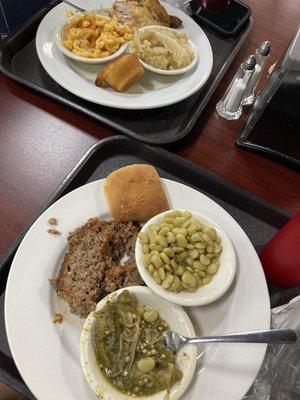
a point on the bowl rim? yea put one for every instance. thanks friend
(166, 71)
(184, 298)
(68, 53)
(188, 354)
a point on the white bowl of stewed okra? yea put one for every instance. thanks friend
(185, 257)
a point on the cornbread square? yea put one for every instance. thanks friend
(135, 193)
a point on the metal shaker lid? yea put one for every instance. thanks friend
(249, 63)
(264, 48)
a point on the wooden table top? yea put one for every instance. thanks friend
(41, 140)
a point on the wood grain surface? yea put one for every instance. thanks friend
(41, 140)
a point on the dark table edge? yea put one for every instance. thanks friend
(104, 120)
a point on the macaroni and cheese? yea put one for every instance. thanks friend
(92, 35)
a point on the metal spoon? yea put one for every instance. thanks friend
(100, 9)
(75, 5)
(175, 341)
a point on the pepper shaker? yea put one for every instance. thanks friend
(230, 106)
(261, 55)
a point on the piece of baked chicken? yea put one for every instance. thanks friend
(139, 13)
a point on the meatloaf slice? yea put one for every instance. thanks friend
(91, 267)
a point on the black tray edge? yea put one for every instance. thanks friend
(102, 119)
(269, 212)
(270, 153)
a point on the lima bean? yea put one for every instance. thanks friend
(171, 238)
(200, 267)
(153, 253)
(164, 231)
(193, 253)
(208, 239)
(191, 229)
(189, 280)
(146, 364)
(175, 285)
(195, 238)
(174, 213)
(150, 315)
(211, 232)
(145, 248)
(212, 269)
(204, 260)
(154, 227)
(179, 231)
(169, 220)
(169, 279)
(179, 270)
(200, 245)
(181, 256)
(189, 261)
(154, 246)
(206, 279)
(161, 273)
(152, 236)
(181, 241)
(190, 246)
(177, 249)
(151, 269)
(186, 223)
(209, 249)
(217, 248)
(143, 237)
(146, 259)
(156, 261)
(169, 252)
(165, 258)
(187, 215)
(179, 221)
(166, 225)
(161, 241)
(156, 277)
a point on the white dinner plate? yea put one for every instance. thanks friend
(152, 91)
(48, 355)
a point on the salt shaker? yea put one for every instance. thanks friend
(261, 55)
(230, 106)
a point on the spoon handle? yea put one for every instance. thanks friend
(272, 336)
(73, 4)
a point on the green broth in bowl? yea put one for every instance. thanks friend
(122, 355)
(129, 349)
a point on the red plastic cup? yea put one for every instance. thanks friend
(280, 257)
(214, 5)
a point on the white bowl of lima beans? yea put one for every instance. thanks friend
(185, 257)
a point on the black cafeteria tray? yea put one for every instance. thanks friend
(19, 61)
(259, 219)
